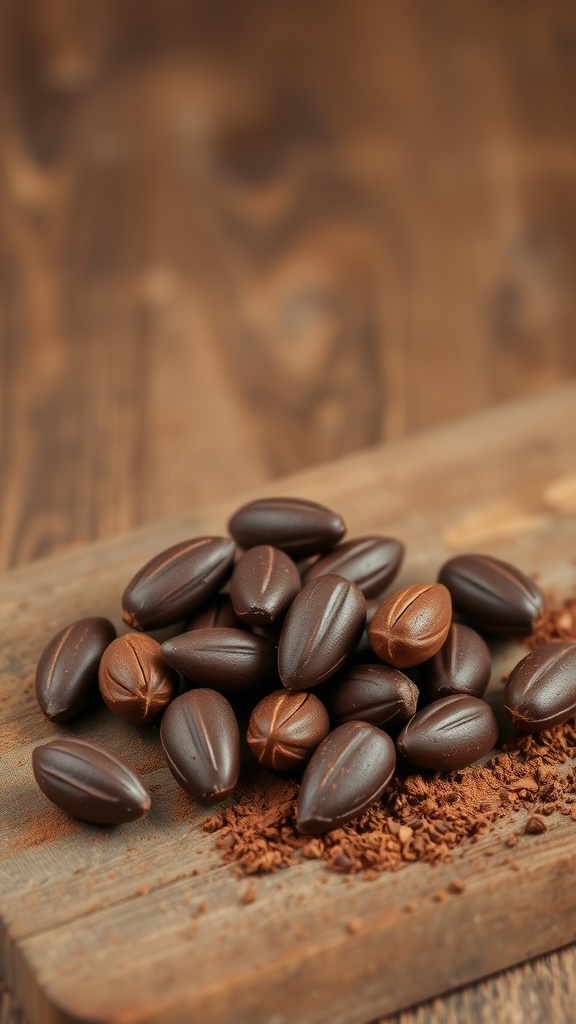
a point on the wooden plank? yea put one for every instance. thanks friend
(80, 904)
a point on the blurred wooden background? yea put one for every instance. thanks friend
(241, 238)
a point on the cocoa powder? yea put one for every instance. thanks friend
(424, 816)
(557, 623)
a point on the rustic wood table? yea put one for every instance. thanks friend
(135, 905)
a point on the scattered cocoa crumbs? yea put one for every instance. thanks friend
(557, 623)
(354, 926)
(48, 826)
(457, 886)
(424, 816)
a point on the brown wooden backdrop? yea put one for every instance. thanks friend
(241, 238)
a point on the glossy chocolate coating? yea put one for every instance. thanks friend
(135, 681)
(89, 782)
(173, 584)
(225, 659)
(541, 689)
(201, 741)
(378, 694)
(323, 625)
(346, 774)
(264, 583)
(299, 527)
(462, 665)
(369, 562)
(450, 733)
(67, 672)
(492, 595)
(285, 728)
(218, 612)
(411, 625)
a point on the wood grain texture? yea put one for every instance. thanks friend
(238, 240)
(78, 904)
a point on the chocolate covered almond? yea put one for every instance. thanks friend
(67, 671)
(411, 625)
(323, 625)
(492, 595)
(450, 733)
(135, 681)
(541, 689)
(346, 774)
(297, 526)
(462, 665)
(89, 782)
(285, 728)
(173, 584)
(201, 742)
(369, 562)
(378, 694)
(222, 658)
(264, 583)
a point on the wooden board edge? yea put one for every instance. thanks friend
(394, 961)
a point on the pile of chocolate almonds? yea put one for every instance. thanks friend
(292, 640)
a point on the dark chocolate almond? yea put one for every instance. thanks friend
(346, 774)
(297, 526)
(462, 665)
(491, 594)
(541, 689)
(264, 583)
(201, 741)
(411, 625)
(449, 734)
(369, 562)
(89, 782)
(378, 694)
(67, 672)
(225, 659)
(173, 584)
(323, 625)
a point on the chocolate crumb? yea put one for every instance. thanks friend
(457, 886)
(353, 926)
(250, 895)
(536, 825)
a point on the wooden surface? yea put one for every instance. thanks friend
(238, 239)
(81, 904)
